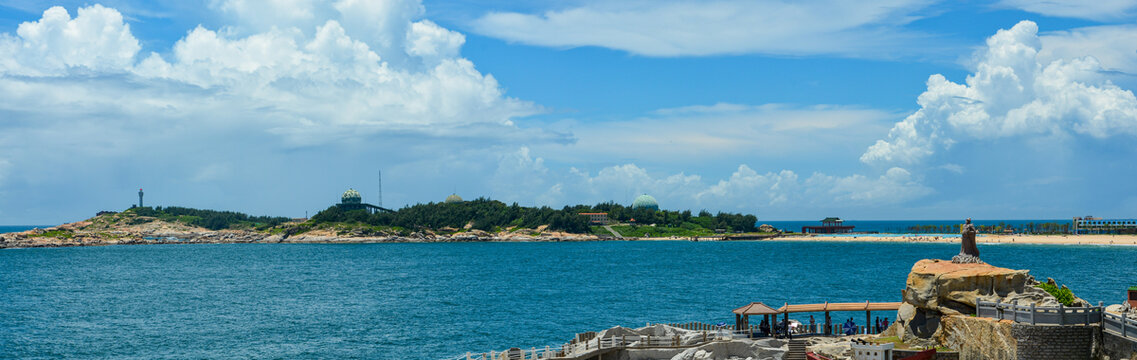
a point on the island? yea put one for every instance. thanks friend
(453, 220)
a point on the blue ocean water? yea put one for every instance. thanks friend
(902, 226)
(428, 301)
(19, 228)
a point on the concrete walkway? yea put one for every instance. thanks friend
(613, 231)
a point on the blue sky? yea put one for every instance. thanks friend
(899, 109)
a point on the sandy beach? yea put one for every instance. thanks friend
(982, 239)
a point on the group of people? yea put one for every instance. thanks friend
(779, 328)
(850, 326)
(881, 324)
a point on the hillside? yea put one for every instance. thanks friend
(477, 220)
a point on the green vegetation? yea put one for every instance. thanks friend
(675, 219)
(1064, 295)
(66, 234)
(657, 231)
(1133, 288)
(482, 214)
(491, 215)
(209, 219)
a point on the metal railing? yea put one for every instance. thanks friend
(1035, 315)
(1120, 325)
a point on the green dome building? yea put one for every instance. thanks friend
(351, 197)
(645, 201)
(352, 200)
(453, 199)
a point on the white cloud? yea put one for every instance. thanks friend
(746, 186)
(1010, 94)
(311, 89)
(96, 39)
(729, 132)
(1115, 46)
(1093, 10)
(428, 40)
(524, 178)
(228, 107)
(680, 28)
(894, 186)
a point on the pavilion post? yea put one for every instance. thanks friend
(769, 325)
(868, 318)
(828, 324)
(786, 320)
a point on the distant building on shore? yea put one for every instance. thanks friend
(352, 200)
(829, 225)
(645, 201)
(1096, 225)
(600, 218)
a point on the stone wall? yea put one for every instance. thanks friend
(1041, 342)
(943, 355)
(1115, 347)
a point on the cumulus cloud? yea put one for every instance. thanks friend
(1093, 10)
(524, 178)
(1010, 94)
(312, 88)
(680, 28)
(96, 40)
(1113, 46)
(333, 83)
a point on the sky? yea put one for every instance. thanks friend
(789, 110)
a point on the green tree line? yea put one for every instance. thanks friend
(209, 219)
(486, 214)
(1000, 228)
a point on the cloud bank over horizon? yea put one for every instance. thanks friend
(280, 111)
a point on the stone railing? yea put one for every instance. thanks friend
(1120, 325)
(1034, 315)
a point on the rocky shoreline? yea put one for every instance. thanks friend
(80, 234)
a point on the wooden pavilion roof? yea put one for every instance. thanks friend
(755, 308)
(828, 306)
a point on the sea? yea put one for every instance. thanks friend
(19, 228)
(440, 300)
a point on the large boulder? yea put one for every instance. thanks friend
(938, 288)
(954, 289)
(738, 349)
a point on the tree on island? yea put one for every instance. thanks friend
(488, 215)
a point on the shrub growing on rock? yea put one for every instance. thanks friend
(1063, 294)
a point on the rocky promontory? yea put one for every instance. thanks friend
(939, 307)
(112, 230)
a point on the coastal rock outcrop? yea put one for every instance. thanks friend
(978, 338)
(937, 292)
(953, 289)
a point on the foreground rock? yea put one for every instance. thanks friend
(939, 297)
(689, 340)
